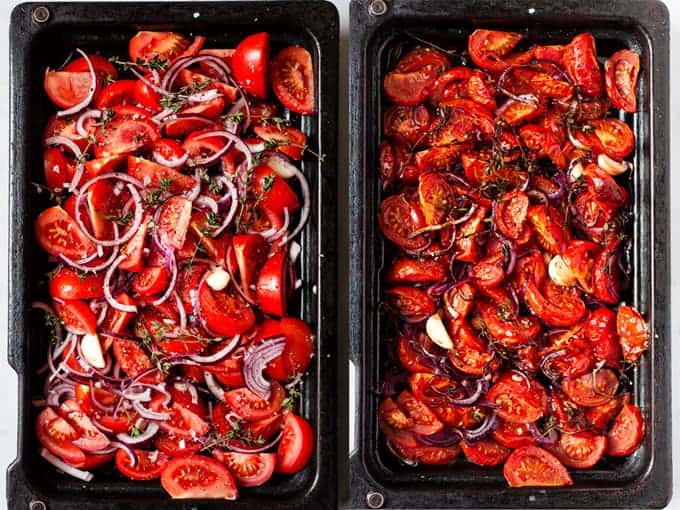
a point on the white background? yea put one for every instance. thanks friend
(8, 380)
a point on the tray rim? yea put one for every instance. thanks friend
(653, 488)
(320, 18)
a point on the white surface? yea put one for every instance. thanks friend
(8, 382)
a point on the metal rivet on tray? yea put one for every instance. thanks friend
(37, 505)
(375, 500)
(377, 8)
(41, 14)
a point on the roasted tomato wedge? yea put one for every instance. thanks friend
(633, 333)
(522, 399)
(400, 220)
(592, 390)
(485, 452)
(410, 302)
(627, 431)
(409, 82)
(488, 48)
(581, 450)
(422, 418)
(580, 62)
(621, 75)
(145, 46)
(531, 466)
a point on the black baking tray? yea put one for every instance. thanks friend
(106, 28)
(642, 480)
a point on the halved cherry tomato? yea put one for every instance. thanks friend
(67, 89)
(627, 431)
(592, 390)
(57, 435)
(399, 219)
(249, 469)
(295, 447)
(411, 302)
(292, 77)
(485, 452)
(581, 450)
(59, 234)
(250, 64)
(146, 46)
(522, 399)
(409, 82)
(620, 75)
(580, 61)
(198, 476)
(531, 466)
(633, 333)
(251, 407)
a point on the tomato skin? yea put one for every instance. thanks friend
(172, 445)
(58, 169)
(581, 391)
(518, 402)
(627, 431)
(531, 466)
(287, 139)
(422, 418)
(409, 270)
(295, 446)
(580, 62)
(582, 450)
(292, 78)
(563, 308)
(601, 331)
(513, 435)
(411, 302)
(271, 285)
(601, 416)
(510, 213)
(225, 314)
(250, 407)
(250, 64)
(279, 196)
(487, 48)
(485, 452)
(470, 353)
(77, 316)
(198, 476)
(621, 75)
(116, 93)
(173, 222)
(56, 435)
(126, 134)
(66, 89)
(59, 234)
(132, 359)
(408, 84)
(633, 333)
(145, 469)
(68, 284)
(250, 470)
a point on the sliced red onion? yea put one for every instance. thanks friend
(548, 438)
(90, 92)
(95, 402)
(85, 476)
(170, 163)
(181, 310)
(107, 288)
(306, 204)
(231, 137)
(213, 386)
(62, 140)
(152, 86)
(284, 228)
(203, 96)
(219, 355)
(233, 194)
(80, 123)
(488, 425)
(149, 432)
(444, 438)
(474, 396)
(55, 394)
(196, 190)
(188, 386)
(545, 363)
(259, 449)
(206, 202)
(164, 116)
(256, 147)
(281, 165)
(116, 445)
(148, 414)
(233, 281)
(294, 251)
(139, 208)
(255, 361)
(173, 280)
(196, 304)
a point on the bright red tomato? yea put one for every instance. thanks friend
(292, 77)
(198, 476)
(295, 446)
(250, 64)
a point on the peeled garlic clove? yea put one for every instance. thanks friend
(218, 279)
(560, 273)
(611, 166)
(575, 171)
(435, 329)
(92, 351)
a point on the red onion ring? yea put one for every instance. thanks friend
(238, 143)
(90, 92)
(233, 194)
(219, 355)
(255, 361)
(152, 86)
(173, 280)
(212, 385)
(85, 476)
(444, 438)
(100, 267)
(488, 425)
(107, 288)
(149, 432)
(80, 123)
(259, 449)
(170, 163)
(149, 414)
(306, 204)
(206, 202)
